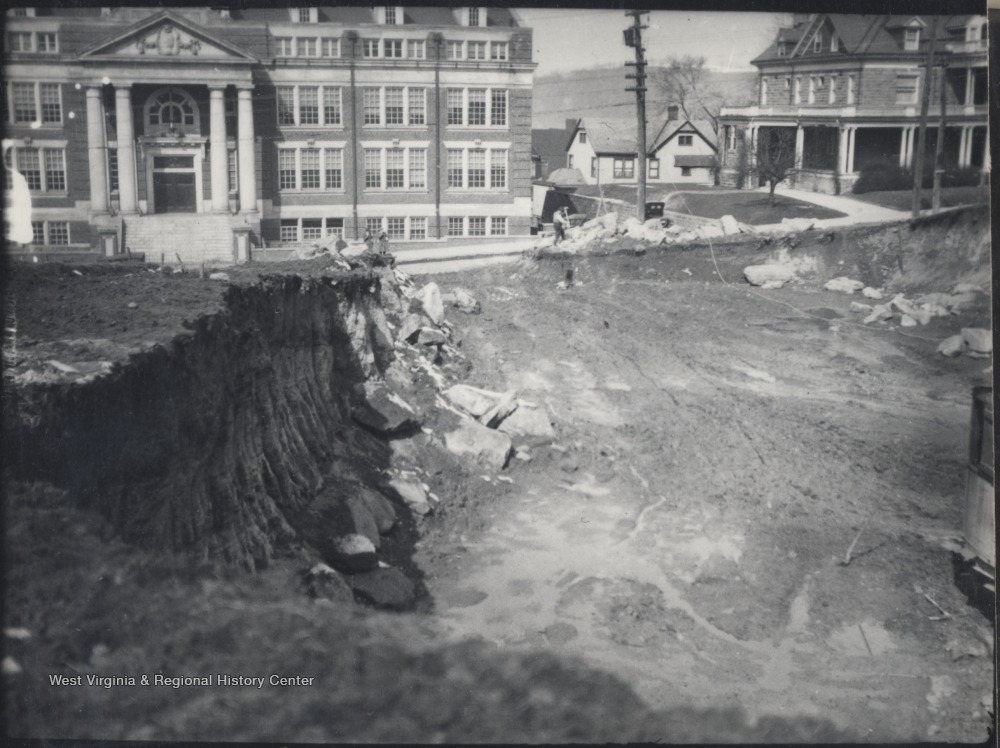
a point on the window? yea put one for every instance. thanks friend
(21, 41)
(372, 106)
(369, 47)
(284, 46)
(477, 169)
(476, 50)
(593, 166)
(312, 228)
(763, 92)
(304, 15)
(498, 169)
(654, 168)
(469, 107)
(416, 49)
(331, 106)
(781, 49)
(473, 16)
(52, 233)
(685, 171)
(395, 227)
(289, 230)
(624, 168)
(30, 99)
(394, 106)
(911, 40)
(306, 47)
(456, 168)
(818, 43)
(456, 226)
(334, 168)
(834, 43)
(334, 226)
(393, 48)
(477, 106)
(569, 160)
(498, 226)
(832, 93)
(173, 108)
(477, 226)
(850, 89)
(498, 109)
(373, 225)
(906, 89)
(395, 168)
(390, 15)
(417, 106)
(798, 90)
(685, 140)
(583, 136)
(44, 169)
(373, 168)
(330, 47)
(286, 105)
(812, 90)
(498, 51)
(310, 168)
(455, 107)
(113, 169)
(454, 51)
(308, 105)
(233, 174)
(418, 228)
(47, 42)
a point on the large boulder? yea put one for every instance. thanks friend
(384, 412)
(354, 553)
(880, 313)
(729, 225)
(529, 424)
(412, 494)
(977, 339)
(362, 520)
(952, 347)
(431, 336)
(430, 299)
(844, 284)
(380, 508)
(323, 582)
(385, 588)
(470, 399)
(462, 300)
(487, 447)
(758, 275)
(410, 327)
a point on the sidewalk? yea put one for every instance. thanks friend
(463, 257)
(856, 210)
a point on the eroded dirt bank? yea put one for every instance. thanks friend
(715, 453)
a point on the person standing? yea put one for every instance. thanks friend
(561, 222)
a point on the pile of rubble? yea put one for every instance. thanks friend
(610, 227)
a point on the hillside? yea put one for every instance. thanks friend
(601, 92)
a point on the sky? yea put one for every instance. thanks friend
(575, 39)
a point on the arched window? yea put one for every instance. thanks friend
(171, 110)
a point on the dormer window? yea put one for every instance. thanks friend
(834, 43)
(303, 15)
(911, 40)
(391, 15)
(475, 17)
(818, 43)
(21, 12)
(781, 49)
(583, 136)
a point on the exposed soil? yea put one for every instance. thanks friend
(668, 569)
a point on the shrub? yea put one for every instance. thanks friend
(886, 175)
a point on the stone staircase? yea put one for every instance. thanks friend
(194, 237)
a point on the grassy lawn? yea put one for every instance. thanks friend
(748, 207)
(627, 192)
(903, 199)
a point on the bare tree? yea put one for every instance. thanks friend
(775, 156)
(686, 83)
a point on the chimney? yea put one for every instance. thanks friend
(673, 112)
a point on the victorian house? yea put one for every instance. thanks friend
(200, 133)
(848, 88)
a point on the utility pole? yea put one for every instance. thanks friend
(939, 141)
(633, 38)
(925, 102)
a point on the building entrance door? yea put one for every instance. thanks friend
(174, 184)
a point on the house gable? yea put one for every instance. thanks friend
(165, 37)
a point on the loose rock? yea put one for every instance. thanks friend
(488, 447)
(410, 327)
(431, 336)
(880, 313)
(322, 582)
(857, 306)
(354, 553)
(380, 508)
(413, 494)
(843, 283)
(951, 347)
(219, 277)
(362, 520)
(430, 298)
(461, 300)
(532, 424)
(977, 339)
(471, 399)
(871, 293)
(758, 275)
(385, 412)
(730, 225)
(385, 588)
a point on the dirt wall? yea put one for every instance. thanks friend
(216, 443)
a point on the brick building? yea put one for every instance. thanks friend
(849, 88)
(134, 126)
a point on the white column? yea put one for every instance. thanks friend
(969, 87)
(904, 136)
(842, 150)
(800, 141)
(220, 157)
(247, 158)
(851, 138)
(986, 152)
(962, 144)
(129, 201)
(97, 152)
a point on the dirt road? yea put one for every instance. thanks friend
(718, 449)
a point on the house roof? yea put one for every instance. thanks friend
(418, 15)
(607, 135)
(550, 145)
(702, 128)
(566, 176)
(705, 160)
